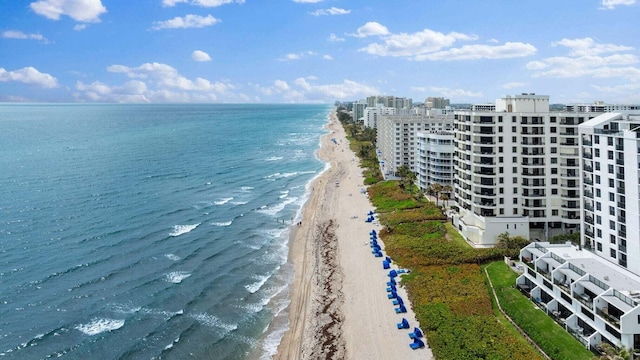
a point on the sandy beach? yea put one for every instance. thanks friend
(339, 307)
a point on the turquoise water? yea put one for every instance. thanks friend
(150, 231)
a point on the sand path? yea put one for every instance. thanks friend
(339, 307)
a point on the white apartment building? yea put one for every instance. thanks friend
(373, 113)
(517, 170)
(593, 299)
(357, 113)
(397, 140)
(610, 196)
(595, 295)
(600, 107)
(435, 158)
(436, 103)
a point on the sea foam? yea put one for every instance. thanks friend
(182, 229)
(97, 326)
(176, 277)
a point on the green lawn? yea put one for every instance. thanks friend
(550, 336)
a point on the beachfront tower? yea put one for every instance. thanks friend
(517, 170)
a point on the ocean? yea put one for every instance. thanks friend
(150, 231)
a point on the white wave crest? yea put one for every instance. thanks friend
(274, 158)
(222, 224)
(212, 321)
(239, 202)
(284, 193)
(278, 207)
(223, 201)
(97, 326)
(182, 229)
(172, 257)
(258, 284)
(247, 188)
(176, 277)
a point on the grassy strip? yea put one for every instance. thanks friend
(550, 336)
(445, 286)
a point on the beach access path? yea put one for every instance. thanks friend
(339, 306)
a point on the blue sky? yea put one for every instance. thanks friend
(301, 51)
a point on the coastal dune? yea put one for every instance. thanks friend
(339, 307)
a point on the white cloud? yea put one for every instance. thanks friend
(371, 28)
(433, 45)
(587, 46)
(476, 52)
(455, 93)
(333, 37)
(80, 27)
(512, 85)
(203, 3)
(307, 1)
(188, 21)
(296, 56)
(154, 82)
(611, 4)
(78, 10)
(304, 90)
(327, 57)
(199, 55)
(584, 60)
(331, 11)
(29, 75)
(16, 34)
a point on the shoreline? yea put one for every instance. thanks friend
(338, 305)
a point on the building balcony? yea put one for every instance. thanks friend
(610, 319)
(584, 299)
(587, 155)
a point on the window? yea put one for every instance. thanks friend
(612, 183)
(515, 211)
(597, 152)
(554, 181)
(515, 200)
(610, 169)
(553, 129)
(596, 139)
(612, 196)
(501, 200)
(598, 206)
(597, 166)
(610, 155)
(613, 253)
(514, 149)
(599, 233)
(554, 191)
(599, 246)
(514, 139)
(554, 170)
(598, 219)
(598, 194)
(554, 160)
(610, 141)
(612, 238)
(554, 139)
(612, 225)
(552, 119)
(501, 211)
(514, 129)
(554, 212)
(554, 150)
(515, 171)
(500, 129)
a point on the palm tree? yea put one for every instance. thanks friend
(437, 189)
(406, 176)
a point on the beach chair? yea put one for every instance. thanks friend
(416, 334)
(385, 264)
(393, 274)
(378, 254)
(392, 294)
(398, 301)
(388, 259)
(391, 288)
(401, 309)
(373, 232)
(391, 281)
(417, 344)
(404, 324)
